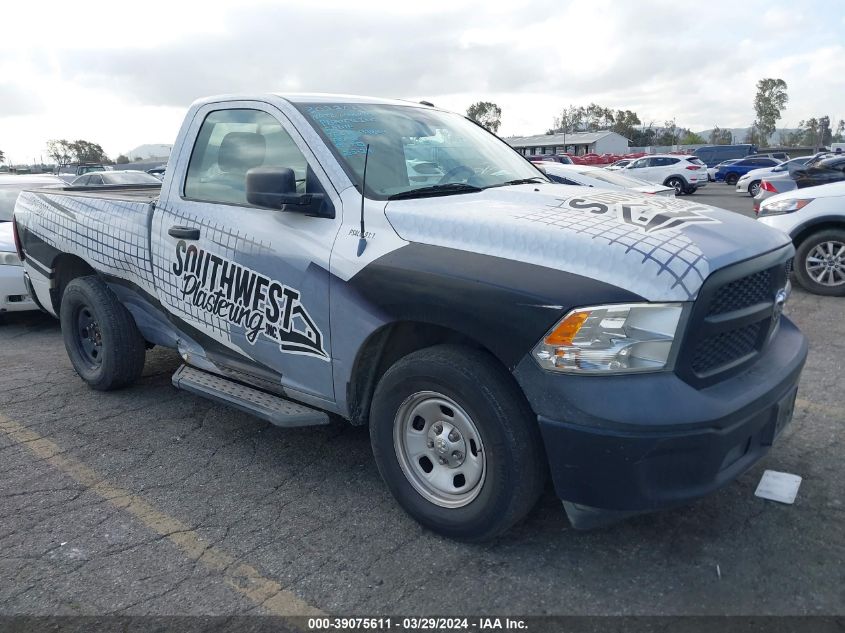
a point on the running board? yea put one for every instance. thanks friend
(266, 406)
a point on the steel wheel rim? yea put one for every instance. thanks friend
(677, 186)
(89, 337)
(754, 189)
(825, 263)
(439, 449)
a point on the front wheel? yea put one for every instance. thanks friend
(754, 188)
(102, 341)
(456, 443)
(820, 263)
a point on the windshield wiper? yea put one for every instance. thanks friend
(520, 181)
(435, 190)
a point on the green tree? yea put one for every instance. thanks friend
(625, 122)
(121, 159)
(486, 113)
(719, 136)
(571, 119)
(691, 138)
(771, 98)
(87, 152)
(669, 134)
(60, 151)
(79, 151)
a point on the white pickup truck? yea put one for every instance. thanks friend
(396, 265)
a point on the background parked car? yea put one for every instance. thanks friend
(711, 171)
(158, 172)
(777, 155)
(731, 173)
(815, 220)
(816, 172)
(127, 177)
(69, 173)
(685, 174)
(712, 155)
(619, 164)
(750, 182)
(589, 176)
(14, 295)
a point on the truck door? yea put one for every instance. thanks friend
(250, 284)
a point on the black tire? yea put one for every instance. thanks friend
(805, 250)
(690, 190)
(677, 184)
(512, 447)
(731, 179)
(753, 188)
(109, 354)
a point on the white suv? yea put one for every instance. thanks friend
(685, 174)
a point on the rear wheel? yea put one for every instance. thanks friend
(731, 179)
(677, 184)
(101, 338)
(456, 443)
(754, 188)
(820, 263)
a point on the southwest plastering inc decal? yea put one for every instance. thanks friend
(244, 297)
(655, 216)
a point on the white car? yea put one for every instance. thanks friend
(587, 176)
(14, 295)
(814, 217)
(684, 174)
(750, 182)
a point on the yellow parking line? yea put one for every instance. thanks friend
(245, 579)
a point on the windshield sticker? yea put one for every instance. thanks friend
(342, 125)
(246, 298)
(654, 216)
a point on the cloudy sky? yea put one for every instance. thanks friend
(121, 74)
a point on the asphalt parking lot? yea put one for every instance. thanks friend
(152, 501)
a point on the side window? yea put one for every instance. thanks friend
(94, 179)
(83, 181)
(638, 164)
(229, 144)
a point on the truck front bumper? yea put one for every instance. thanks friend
(642, 442)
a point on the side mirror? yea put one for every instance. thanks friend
(275, 188)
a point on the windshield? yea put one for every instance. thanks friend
(412, 148)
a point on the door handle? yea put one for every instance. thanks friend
(184, 232)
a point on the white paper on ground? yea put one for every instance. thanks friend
(776, 486)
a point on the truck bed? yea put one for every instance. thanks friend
(107, 227)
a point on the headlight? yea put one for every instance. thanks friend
(612, 338)
(10, 259)
(784, 206)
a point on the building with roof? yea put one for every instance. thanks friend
(577, 143)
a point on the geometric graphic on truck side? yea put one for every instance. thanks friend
(112, 235)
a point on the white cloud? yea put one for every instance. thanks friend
(122, 75)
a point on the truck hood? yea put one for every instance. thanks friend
(660, 248)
